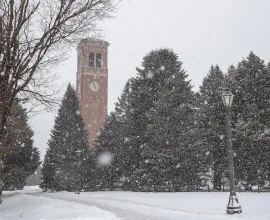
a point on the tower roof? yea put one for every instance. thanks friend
(93, 41)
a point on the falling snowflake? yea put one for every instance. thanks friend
(207, 153)
(78, 112)
(267, 130)
(123, 179)
(149, 75)
(221, 137)
(105, 159)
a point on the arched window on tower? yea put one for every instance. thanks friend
(91, 59)
(98, 60)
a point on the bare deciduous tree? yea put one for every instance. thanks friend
(34, 36)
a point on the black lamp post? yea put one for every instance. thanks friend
(78, 186)
(233, 205)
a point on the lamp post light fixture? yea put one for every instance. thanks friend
(233, 204)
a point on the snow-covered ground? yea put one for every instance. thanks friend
(20, 205)
(32, 204)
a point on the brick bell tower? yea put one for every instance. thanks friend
(92, 84)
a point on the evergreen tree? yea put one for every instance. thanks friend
(21, 157)
(170, 158)
(111, 142)
(127, 153)
(48, 171)
(65, 164)
(144, 91)
(250, 83)
(211, 122)
(108, 158)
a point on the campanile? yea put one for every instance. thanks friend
(92, 84)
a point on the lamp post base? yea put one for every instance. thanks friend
(233, 206)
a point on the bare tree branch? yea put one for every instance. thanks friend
(34, 35)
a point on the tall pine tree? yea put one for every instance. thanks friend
(211, 122)
(65, 165)
(21, 158)
(112, 141)
(145, 90)
(170, 158)
(108, 172)
(250, 83)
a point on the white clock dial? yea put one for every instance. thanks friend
(94, 86)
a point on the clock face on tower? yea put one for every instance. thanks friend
(94, 86)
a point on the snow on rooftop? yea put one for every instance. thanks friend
(93, 41)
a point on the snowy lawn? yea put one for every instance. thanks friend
(201, 205)
(34, 204)
(23, 206)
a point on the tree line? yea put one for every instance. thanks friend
(163, 136)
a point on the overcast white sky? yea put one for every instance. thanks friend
(201, 32)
